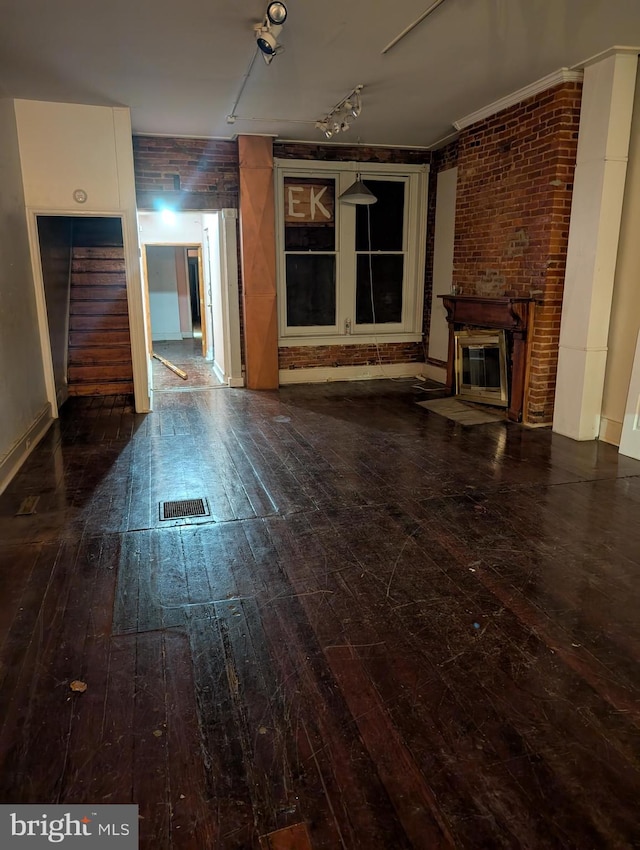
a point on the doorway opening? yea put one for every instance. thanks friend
(188, 324)
(82, 265)
(179, 330)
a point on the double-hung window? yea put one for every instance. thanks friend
(349, 273)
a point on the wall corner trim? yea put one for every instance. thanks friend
(605, 54)
(562, 75)
(22, 448)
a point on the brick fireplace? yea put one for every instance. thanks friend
(513, 317)
(514, 190)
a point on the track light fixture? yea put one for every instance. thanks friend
(339, 119)
(268, 31)
(277, 13)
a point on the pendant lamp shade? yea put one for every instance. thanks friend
(358, 193)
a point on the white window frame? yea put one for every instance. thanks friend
(410, 328)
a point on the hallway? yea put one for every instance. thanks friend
(186, 354)
(394, 629)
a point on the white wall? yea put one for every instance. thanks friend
(163, 292)
(444, 234)
(55, 253)
(154, 230)
(625, 309)
(212, 254)
(23, 396)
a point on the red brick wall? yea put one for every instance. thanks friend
(441, 160)
(515, 182)
(190, 174)
(306, 356)
(350, 153)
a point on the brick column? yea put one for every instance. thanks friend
(258, 253)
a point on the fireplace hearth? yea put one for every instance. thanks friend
(478, 318)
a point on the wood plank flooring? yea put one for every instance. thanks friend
(393, 631)
(186, 354)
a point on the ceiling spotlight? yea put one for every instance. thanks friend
(328, 133)
(267, 41)
(268, 31)
(340, 117)
(277, 13)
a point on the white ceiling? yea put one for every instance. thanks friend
(179, 64)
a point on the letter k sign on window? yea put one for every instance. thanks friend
(314, 202)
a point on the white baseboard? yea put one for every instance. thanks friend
(217, 371)
(434, 373)
(62, 395)
(610, 431)
(322, 374)
(21, 450)
(229, 381)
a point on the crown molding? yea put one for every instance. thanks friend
(562, 75)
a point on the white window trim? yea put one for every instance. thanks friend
(410, 329)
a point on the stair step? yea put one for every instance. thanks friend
(97, 253)
(103, 278)
(97, 265)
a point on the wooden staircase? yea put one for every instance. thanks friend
(99, 344)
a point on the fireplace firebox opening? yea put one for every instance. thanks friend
(481, 366)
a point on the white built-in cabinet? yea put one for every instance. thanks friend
(77, 159)
(69, 147)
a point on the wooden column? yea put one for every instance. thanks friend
(258, 253)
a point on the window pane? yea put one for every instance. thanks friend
(387, 218)
(309, 214)
(387, 289)
(311, 290)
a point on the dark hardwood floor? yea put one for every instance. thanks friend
(392, 631)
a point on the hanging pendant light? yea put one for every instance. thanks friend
(358, 193)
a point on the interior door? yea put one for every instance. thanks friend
(204, 318)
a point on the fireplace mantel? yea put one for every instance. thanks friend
(514, 315)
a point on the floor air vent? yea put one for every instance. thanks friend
(184, 508)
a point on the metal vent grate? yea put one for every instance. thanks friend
(184, 508)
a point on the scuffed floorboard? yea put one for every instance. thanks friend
(393, 631)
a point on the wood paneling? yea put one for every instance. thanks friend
(99, 344)
(257, 239)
